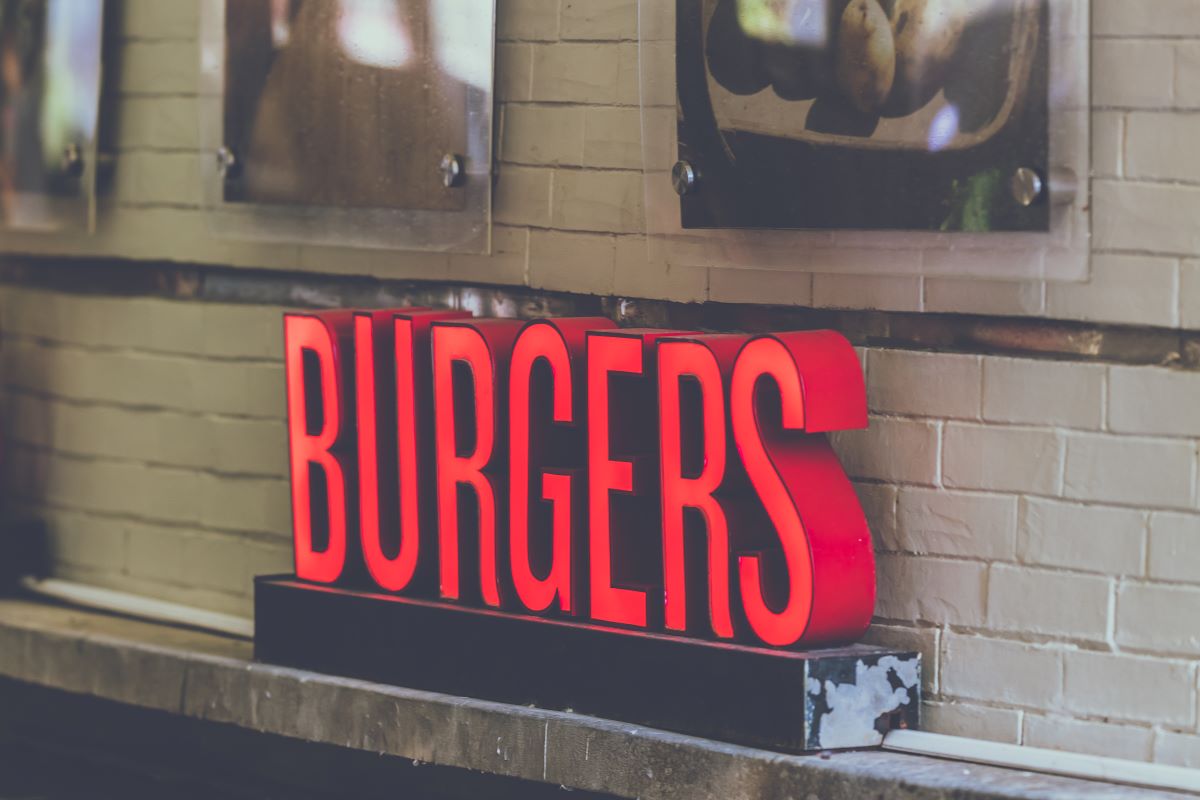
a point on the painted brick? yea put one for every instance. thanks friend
(1025, 600)
(635, 277)
(863, 291)
(527, 20)
(599, 19)
(920, 588)
(1160, 145)
(976, 296)
(878, 503)
(1078, 736)
(1174, 547)
(522, 196)
(1150, 217)
(543, 134)
(1112, 469)
(147, 324)
(1177, 749)
(1108, 143)
(108, 487)
(246, 446)
(1160, 618)
(1154, 400)
(98, 543)
(923, 384)
(239, 331)
(1132, 73)
(1001, 459)
(514, 72)
(925, 641)
(154, 19)
(162, 123)
(1187, 74)
(364, 261)
(956, 718)
(1130, 688)
(1043, 392)
(152, 177)
(158, 437)
(216, 562)
(583, 261)
(954, 524)
(506, 264)
(778, 287)
(156, 552)
(1165, 17)
(260, 505)
(268, 559)
(577, 73)
(1189, 294)
(890, 449)
(970, 664)
(591, 200)
(160, 67)
(612, 137)
(1086, 537)
(629, 88)
(238, 388)
(1129, 289)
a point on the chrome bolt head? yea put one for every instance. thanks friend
(228, 165)
(684, 178)
(72, 160)
(452, 170)
(1026, 186)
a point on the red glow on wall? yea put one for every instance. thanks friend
(652, 479)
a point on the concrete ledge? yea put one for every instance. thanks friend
(207, 677)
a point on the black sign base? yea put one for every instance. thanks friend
(777, 699)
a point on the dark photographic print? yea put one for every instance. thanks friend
(926, 115)
(351, 103)
(49, 94)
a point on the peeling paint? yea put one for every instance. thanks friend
(854, 707)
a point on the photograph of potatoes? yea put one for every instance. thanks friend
(863, 114)
(349, 103)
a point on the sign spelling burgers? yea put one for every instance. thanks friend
(655, 481)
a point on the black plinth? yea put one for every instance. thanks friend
(782, 700)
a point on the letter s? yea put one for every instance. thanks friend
(824, 541)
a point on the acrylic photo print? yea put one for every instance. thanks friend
(349, 103)
(49, 98)
(921, 115)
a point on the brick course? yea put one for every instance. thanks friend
(1038, 521)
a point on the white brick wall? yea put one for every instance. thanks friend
(1038, 521)
(569, 125)
(1057, 551)
(1048, 566)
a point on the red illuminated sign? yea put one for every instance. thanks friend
(659, 480)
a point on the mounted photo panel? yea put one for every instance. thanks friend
(365, 123)
(939, 137)
(50, 61)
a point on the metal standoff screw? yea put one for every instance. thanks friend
(228, 165)
(684, 177)
(452, 170)
(1026, 186)
(72, 160)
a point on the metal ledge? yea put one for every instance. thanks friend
(207, 677)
